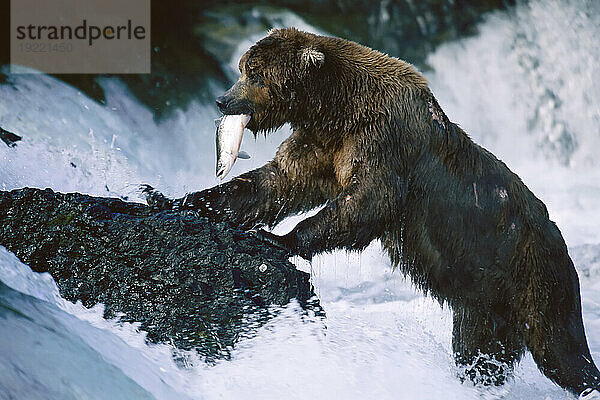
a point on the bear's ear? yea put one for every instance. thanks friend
(312, 57)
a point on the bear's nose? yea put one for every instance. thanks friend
(221, 103)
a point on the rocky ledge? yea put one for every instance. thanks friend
(192, 283)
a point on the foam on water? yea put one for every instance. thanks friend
(525, 87)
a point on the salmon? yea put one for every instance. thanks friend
(230, 129)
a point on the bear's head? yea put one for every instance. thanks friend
(324, 84)
(278, 81)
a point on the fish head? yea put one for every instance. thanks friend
(280, 76)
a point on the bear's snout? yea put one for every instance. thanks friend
(234, 100)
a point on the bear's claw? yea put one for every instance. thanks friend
(269, 238)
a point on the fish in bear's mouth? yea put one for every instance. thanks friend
(230, 131)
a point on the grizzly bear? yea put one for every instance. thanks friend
(371, 143)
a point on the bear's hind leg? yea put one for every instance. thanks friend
(485, 347)
(553, 325)
(560, 350)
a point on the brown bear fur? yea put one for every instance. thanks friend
(371, 143)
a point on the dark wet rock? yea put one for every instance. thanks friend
(189, 282)
(8, 137)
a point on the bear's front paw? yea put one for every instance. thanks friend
(285, 242)
(270, 238)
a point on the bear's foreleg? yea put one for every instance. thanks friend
(351, 221)
(263, 196)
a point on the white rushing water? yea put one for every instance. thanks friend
(526, 87)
